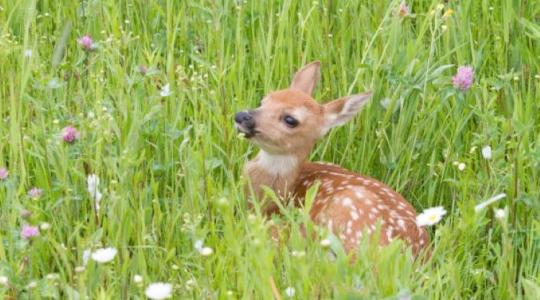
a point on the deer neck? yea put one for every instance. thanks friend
(278, 172)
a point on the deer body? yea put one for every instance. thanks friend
(286, 127)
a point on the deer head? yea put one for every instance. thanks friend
(289, 122)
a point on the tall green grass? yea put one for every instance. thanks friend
(169, 166)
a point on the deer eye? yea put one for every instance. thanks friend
(290, 121)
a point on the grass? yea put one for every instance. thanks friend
(169, 166)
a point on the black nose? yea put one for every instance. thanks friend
(244, 118)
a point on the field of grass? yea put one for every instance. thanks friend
(169, 163)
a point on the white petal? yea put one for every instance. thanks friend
(158, 291)
(486, 152)
(104, 255)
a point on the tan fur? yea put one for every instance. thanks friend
(348, 204)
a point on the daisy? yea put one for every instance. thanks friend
(104, 255)
(430, 216)
(158, 290)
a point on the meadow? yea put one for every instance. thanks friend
(116, 131)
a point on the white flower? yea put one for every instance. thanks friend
(4, 280)
(31, 285)
(137, 278)
(158, 291)
(290, 292)
(44, 226)
(206, 251)
(28, 53)
(489, 201)
(104, 255)
(79, 269)
(500, 214)
(93, 189)
(52, 276)
(295, 253)
(165, 90)
(486, 152)
(86, 256)
(198, 245)
(461, 166)
(325, 243)
(430, 216)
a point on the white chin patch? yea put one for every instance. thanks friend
(276, 163)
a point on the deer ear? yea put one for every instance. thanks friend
(306, 78)
(338, 112)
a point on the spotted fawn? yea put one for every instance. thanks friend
(285, 127)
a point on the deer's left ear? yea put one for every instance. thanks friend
(339, 112)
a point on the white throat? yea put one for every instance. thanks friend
(276, 164)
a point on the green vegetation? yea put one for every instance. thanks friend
(169, 165)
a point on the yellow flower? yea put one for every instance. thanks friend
(448, 13)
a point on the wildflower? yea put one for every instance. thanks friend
(31, 285)
(93, 184)
(500, 213)
(86, 256)
(461, 166)
(290, 291)
(165, 90)
(86, 42)
(137, 278)
(198, 245)
(206, 251)
(486, 152)
(325, 243)
(403, 10)
(295, 253)
(463, 78)
(52, 276)
(27, 53)
(3, 173)
(44, 226)
(70, 134)
(158, 290)
(28, 231)
(489, 201)
(430, 216)
(79, 269)
(35, 193)
(54, 84)
(104, 255)
(448, 13)
(4, 280)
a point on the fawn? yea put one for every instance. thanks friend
(286, 126)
